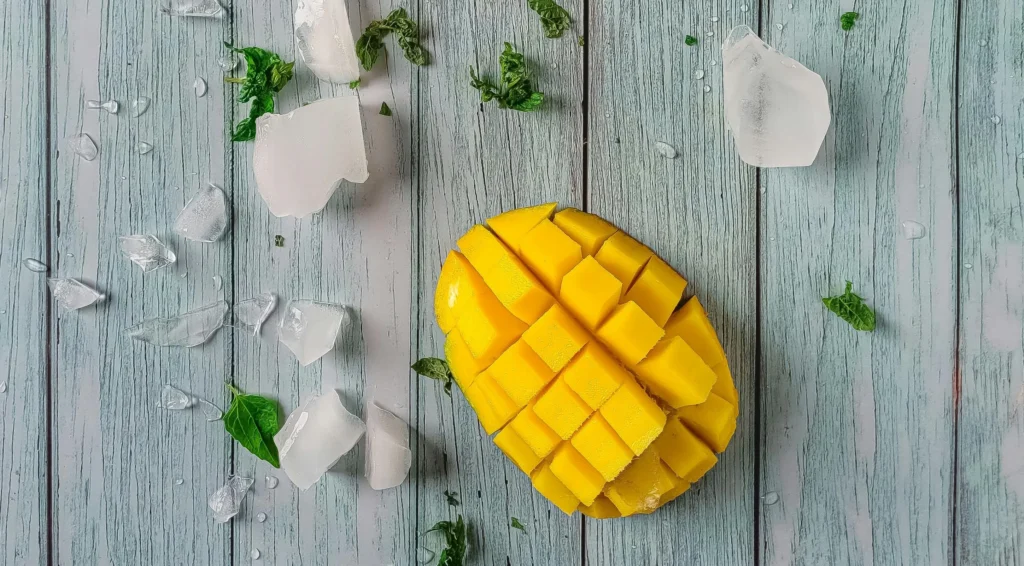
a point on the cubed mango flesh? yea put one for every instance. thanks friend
(550, 254)
(674, 372)
(624, 257)
(464, 366)
(674, 493)
(594, 375)
(598, 442)
(589, 230)
(629, 333)
(573, 470)
(714, 421)
(535, 433)
(511, 226)
(556, 337)
(657, 290)
(554, 490)
(641, 485)
(521, 372)
(602, 508)
(517, 450)
(561, 409)
(493, 407)
(636, 417)
(692, 324)
(488, 328)
(724, 385)
(682, 451)
(590, 292)
(450, 289)
(506, 275)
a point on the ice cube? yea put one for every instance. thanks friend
(72, 294)
(83, 146)
(143, 147)
(210, 411)
(3, 387)
(309, 328)
(665, 150)
(301, 157)
(147, 252)
(323, 37)
(174, 399)
(33, 264)
(261, 517)
(226, 501)
(315, 437)
(139, 106)
(271, 481)
(186, 330)
(228, 62)
(110, 106)
(194, 8)
(255, 554)
(206, 217)
(777, 109)
(200, 86)
(250, 314)
(913, 230)
(388, 458)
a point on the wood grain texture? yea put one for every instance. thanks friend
(990, 474)
(475, 161)
(857, 428)
(23, 309)
(117, 455)
(698, 213)
(356, 251)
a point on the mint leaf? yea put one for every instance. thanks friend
(454, 553)
(371, 42)
(253, 421)
(517, 525)
(847, 20)
(436, 369)
(279, 241)
(453, 498)
(515, 90)
(690, 40)
(354, 84)
(553, 17)
(581, 41)
(385, 110)
(852, 309)
(265, 75)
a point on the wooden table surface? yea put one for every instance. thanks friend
(904, 446)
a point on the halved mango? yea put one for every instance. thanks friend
(691, 323)
(554, 490)
(724, 385)
(590, 231)
(513, 284)
(464, 366)
(535, 433)
(641, 485)
(493, 407)
(674, 372)
(511, 226)
(488, 328)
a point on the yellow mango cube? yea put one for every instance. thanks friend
(682, 451)
(657, 290)
(449, 290)
(629, 333)
(488, 329)
(464, 366)
(602, 508)
(517, 450)
(590, 292)
(554, 490)
(537, 435)
(521, 372)
(513, 284)
(573, 470)
(641, 485)
(724, 385)
(550, 253)
(636, 417)
(589, 230)
(681, 487)
(692, 324)
(598, 442)
(594, 375)
(511, 226)
(556, 337)
(674, 372)
(624, 257)
(714, 421)
(492, 405)
(561, 409)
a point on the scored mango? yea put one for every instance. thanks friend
(563, 334)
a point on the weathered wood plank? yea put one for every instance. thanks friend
(117, 455)
(856, 428)
(697, 212)
(990, 474)
(475, 161)
(24, 465)
(357, 251)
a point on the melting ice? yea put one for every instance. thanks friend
(310, 328)
(315, 437)
(186, 330)
(324, 40)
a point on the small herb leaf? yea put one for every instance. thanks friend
(265, 75)
(517, 525)
(354, 84)
(581, 41)
(371, 42)
(436, 369)
(690, 40)
(553, 17)
(847, 20)
(253, 421)
(454, 553)
(385, 110)
(851, 308)
(515, 91)
(452, 497)
(279, 241)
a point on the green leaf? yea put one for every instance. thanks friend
(452, 497)
(847, 20)
(581, 41)
(279, 241)
(385, 110)
(517, 525)
(691, 41)
(244, 131)
(253, 421)
(371, 42)
(454, 553)
(852, 309)
(265, 74)
(436, 369)
(553, 17)
(354, 84)
(516, 90)
(280, 74)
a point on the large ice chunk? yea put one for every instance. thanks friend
(250, 314)
(227, 500)
(301, 157)
(185, 330)
(147, 252)
(388, 458)
(310, 328)
(777, 109)
(192, 8)
(315, 437)
(206, 217)
(324, 40)
(72, 294)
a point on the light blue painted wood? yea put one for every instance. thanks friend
(990, 476)
(117, 456)
(856, 428)
(697, 212)
(24, 461)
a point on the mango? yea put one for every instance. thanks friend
(692, 324)
(561, 409)
(674, 372)
(517, 450)
(512, 283)
(511, 226)
(590, 292)
(535, 433)
(545, 481)
(556, 337)
(682, 451)
(657, 290)
(629, 333)
(598, 442)
(714, 421)
(639, 487)
(594, 375)
(624, 257)
(573, 470)
(521, 372)
(636, 417)
(602, 508)
(550, 254)
(588, 230)
(464, 366)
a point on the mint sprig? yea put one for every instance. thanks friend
(265, 75)
(253, 421)
(371, 42)
(851, 308)
(515, 90)
(553, 17)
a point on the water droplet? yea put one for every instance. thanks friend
(200, 86)
(110, 106)
(713, 62)
(995, 119)
(218, 282)
(780, 27)
(711, 33)
(228, 62)
(255, 554)
(743, 8)
(3, 387)
(139, 106)
(272, 482)
(707, 88)
(261, 517)
(1021, 156)
(34, 265)
(179, 481)
(143, 147)
(983, 43)
(770, 498)
(83, 146)
(790, 6)
(424, 555)
(698, 74)
(968, 266)
(913, 230)
(714, 19)
(665, 150)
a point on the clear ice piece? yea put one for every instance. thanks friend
(206, 217)
(665, 150)
(301, 157)
(913, 230)
(261, 517)
(309, 328)
(218, 282)
(323, 37)
(388, 458)
(770, 498)
(185, 330)
(226, 501)
(72, 294)
(255, 554)
(210, 411)
(143, 147)
(200, 86)
(315, 437)
(777, 109)
(272, 482)
(110, 106)
(228, 62)
(193, 8)
(250, 314)
(147, 252)
(174, 399)
(3, 387)
(83, 146)
(139, 106)
(33, 264)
